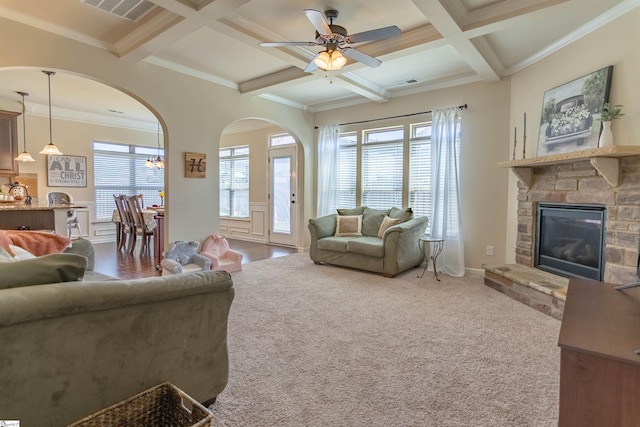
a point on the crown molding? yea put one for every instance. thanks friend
(58, 113)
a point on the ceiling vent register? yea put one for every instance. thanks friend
(132, 10)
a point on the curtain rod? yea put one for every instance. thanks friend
(461, 107)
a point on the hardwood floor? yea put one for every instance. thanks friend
(120, 264)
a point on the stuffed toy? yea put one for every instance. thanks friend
(183, 257)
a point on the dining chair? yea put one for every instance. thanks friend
(62, 198)
(140, 228)
(125, 226)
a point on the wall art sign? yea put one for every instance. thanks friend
(570, 119)
(195, 165)
(66, 171)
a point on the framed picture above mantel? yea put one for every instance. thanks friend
(570, 119)
(66, 171)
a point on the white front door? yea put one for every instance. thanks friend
(283, 192)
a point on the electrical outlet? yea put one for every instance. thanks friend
(490, 250)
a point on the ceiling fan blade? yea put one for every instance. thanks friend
(311, 67)
(317, 19)
(377, 34)
(354, 54)
(278, 44)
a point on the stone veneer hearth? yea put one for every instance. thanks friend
(578, 182)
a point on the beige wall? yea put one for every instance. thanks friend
(614, 44)
(483, 187)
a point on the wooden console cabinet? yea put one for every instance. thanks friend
(599, 369)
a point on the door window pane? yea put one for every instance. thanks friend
(281, 195)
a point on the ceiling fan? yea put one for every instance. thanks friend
(337, 41)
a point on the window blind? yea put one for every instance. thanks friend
(348, 170)
(122, 172)
(382, 168)
(420, 170)
(234, 182)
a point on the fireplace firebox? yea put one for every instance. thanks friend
(570, 240)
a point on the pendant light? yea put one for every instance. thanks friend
(159, 163)
(50, 148)
(24, 156)
(156, 163)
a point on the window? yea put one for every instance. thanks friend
(390, 174)
(420, 169)
(234, 182)
(120, 169)
(281, 139)
(382, 167)
(348, 169)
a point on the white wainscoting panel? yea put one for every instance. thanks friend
(251, 229)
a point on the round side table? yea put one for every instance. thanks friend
(435, 246)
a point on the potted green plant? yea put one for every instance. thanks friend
(609, 112)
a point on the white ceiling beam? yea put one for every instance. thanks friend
(284, 77)
(362, 87)
(177, 20)
(447, 25)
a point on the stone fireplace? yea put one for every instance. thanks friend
(578, 182)
(602, 179)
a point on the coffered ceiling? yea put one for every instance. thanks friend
(442, 43)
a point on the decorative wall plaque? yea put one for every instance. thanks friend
(66, 171)
(195, 165)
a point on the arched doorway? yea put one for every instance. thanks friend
(84, 111)
(273, 212)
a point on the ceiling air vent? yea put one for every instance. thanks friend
(405, 82)
(127, 9)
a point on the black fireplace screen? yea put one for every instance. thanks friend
(570, 240)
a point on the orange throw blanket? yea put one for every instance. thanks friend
(37, 242)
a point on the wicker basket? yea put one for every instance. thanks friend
(162, 405)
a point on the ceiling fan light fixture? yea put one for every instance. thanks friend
(337, 60)
(323, 60)
(328, 61)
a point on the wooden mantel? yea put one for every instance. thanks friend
(605, 160)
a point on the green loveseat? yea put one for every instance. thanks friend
(396, 251)
(71, 348)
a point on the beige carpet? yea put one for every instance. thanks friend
(326, 346)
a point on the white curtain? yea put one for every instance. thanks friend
(445, 197)
(328, 164)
